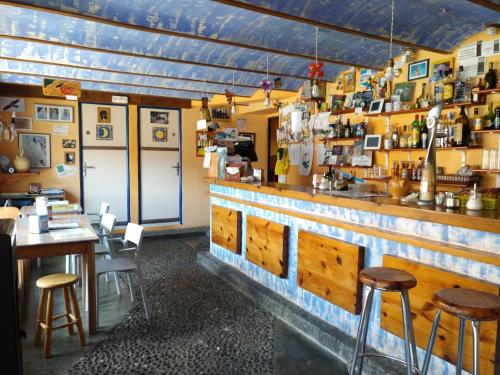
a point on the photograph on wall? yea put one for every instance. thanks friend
(249, 135)
(41, 113)
(104, 115)
(53, 113)
(201, 142)
(104, 132)
(60, 87)
(11, 104)
(156, 117)
(69, 157)
(405, 90)
(160, 134)
(441, 67)
(349, 79)
(24, 123)
(36, 148)
(69, 143)
(418, 70)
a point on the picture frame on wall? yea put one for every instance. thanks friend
(11, 104)
(442, 64)
(201, 142)
(405, 90)
(104, 115)
(69, 157)
(376, 106)
(24, 124)
(53, 113)
(418, 70)
(36, 148)
(249, 135)
(349, 80)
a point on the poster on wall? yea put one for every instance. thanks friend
(11, 104)
(156, 117)
(160, 134)
(36, 148)
(104, 132)
(104, 115)
(60, 87)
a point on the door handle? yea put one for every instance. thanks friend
(85, 167)
(178, 167)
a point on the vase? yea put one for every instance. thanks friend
(399, 187)
(21, 163)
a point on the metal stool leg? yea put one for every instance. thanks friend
(410, 326)
(362, 331)
(430, 345)
(406, 323)
(460, 353)
(475, 332)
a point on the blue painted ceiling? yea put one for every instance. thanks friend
(188, 40)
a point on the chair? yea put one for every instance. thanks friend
(131, 242)
(98, 216)
(48, 284)
(465, 304)
(388, 280)
(8, 203)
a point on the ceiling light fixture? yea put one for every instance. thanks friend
(390, 72)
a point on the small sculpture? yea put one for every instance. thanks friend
(21, 162)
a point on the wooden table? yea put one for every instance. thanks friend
(72, 209)
(30, 246)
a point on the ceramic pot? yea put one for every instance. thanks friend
(399, 187)
(21, 163)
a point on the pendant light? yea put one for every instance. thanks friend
(315, 91)
(204, 111)
(390, 72)
(233, 105)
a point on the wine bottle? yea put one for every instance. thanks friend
(461, 129)
(491, 78)
(478, 98)
(449, 88)
(460, 86)
(395, 138)
(415, 132)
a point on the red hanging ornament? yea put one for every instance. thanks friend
(315, 70)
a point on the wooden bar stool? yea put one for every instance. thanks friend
(48, 284)
(388, 280)
(465, 304)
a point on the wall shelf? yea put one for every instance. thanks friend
(488, 91)
(342, 139)
(487, 130)
(10, 178)
(345, 111)
(418, 110)
(342, 166)
(460, 148)
(384, 179)
(486, 170)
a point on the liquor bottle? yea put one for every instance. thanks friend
(403, 139)
(388, 138)
(478, 98)
(489, 117)
(459, 86)
(409, 137)
(423, 100)
(415, 132)
(423, 132)
(449, 88)
(491, 78)
(438, 89)
(419, 169)
(347, 130)
(496, 124)
(362, 130)
(395, 138)
(461, 129)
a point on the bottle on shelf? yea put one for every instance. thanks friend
(460, 87)
(461, 129)
(388, 138)
(423, 132)
(491, 78)
(395, 138)
(409, 137)
(489, 117)
(347, 129)
(419, 168)
(415, 132)
(362, 129)
(438, 89)
(496, 124)
(478, 98)
(403, 139)
(424, 100)
(449, 88)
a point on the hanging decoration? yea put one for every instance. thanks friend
(266, 86)
(277, 82)
(8, 132)
(204, 111)
(229, 96)
(315, 70)
(390, 72)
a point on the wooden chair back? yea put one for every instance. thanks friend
(9, 212)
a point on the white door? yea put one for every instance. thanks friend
(160, 166)
(104, 159)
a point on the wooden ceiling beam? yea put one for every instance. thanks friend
(327, 26)
(157, 58)
(106, 70)
(179, 34)
(105, 82)
(486, 4)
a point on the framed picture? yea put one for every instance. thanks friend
(442, 64)
(221, 113)
(69, 143)
(418, 70)
(104, 132)
(337, 102)
(11, 104)
(24, 124)
(104, 115)
(201, 142)
(249, 135)
(53, 113)
(349, 79)
(36, 148)
(376, 106)
(157, 117)
(160, 134)
(232, 134)
(373, 142)
(405, 90)
(69, 157)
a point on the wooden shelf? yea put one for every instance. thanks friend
(384, 179)
(342, 139)
(345, 111)
(10, 178)
(486, 170)
(313, 99)
(418, 110)
(488, 91)
(437, 149)
(342, 166)
(450, 184)
(487, 130)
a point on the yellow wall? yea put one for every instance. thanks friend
(194, 190)
(450, 160)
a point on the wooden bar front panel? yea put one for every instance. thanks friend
(226, 228)
(267, 245)
(329, 268)
(431, 279)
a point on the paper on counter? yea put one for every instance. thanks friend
(294, 153)
(71, 234)
(320, 153)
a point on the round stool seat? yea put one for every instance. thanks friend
(468, 303)
(386, 278)
(56, 280)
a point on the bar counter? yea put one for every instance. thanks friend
(310, 248)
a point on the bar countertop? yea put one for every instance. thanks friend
(484, 220)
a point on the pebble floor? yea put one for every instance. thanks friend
(199, 325)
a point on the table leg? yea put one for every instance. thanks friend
(89, 260)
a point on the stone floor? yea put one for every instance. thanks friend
(291, 352)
